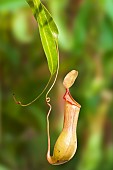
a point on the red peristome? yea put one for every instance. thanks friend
(67, 97)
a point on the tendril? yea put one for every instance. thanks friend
(24, 105)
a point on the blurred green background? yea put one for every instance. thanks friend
(85, 44)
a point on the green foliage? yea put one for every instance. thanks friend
(85, 42)
(48, 32)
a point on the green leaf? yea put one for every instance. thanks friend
(52, 24)
(48, 33)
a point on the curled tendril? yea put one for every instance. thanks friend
(24, 105)
(47, 98)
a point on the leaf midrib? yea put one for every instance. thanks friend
(46, 38)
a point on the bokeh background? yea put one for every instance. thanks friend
(85, 44)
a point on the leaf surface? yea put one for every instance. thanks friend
(48, 33)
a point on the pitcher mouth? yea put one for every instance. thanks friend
(67, 97)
